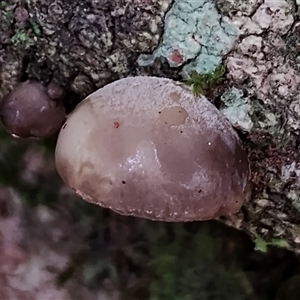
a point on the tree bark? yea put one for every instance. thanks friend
(84, 45)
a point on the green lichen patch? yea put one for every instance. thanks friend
(195, 36)
(237, 109)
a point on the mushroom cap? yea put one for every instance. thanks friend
(147, 147)
(28, 111)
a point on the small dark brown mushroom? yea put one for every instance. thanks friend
(29, 111)
(147, 147)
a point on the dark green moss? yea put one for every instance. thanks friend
(200, 83)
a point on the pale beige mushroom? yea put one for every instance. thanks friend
(147, 147)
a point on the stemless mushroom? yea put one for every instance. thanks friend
(32, 110)
(147, 147)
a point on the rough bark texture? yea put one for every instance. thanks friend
(84, 45)
(94, 253)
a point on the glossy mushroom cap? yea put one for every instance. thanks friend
(146, 147)
(29, 111)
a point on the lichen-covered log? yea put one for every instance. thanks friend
(84, 45)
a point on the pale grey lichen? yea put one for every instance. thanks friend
(270, 69)
(270, 122)
(271, 16)
(237, 7)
